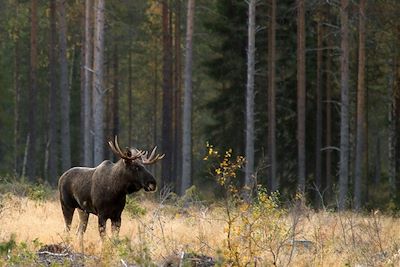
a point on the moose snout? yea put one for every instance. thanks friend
(151, 186)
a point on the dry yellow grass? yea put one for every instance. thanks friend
(322, 239)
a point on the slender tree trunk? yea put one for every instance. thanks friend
(155, 106)
(130, 100)
(360, 145)
(272, 99)
(87, 91)
(115, 95)
(301, 96)
(52, 142)
(167, 98)
(249, 171)
(328, 86)
(187, 104)
(82, 92)
(17, 99)
(396, 94)
(344, 111)
(31, 138)
(392, 131)
(178, 92)
(318, 138)
(98, 83)
(65, 90)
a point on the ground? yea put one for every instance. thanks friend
(163, 234)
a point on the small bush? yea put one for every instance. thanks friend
(133, 208)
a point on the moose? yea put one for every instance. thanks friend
(102, 190)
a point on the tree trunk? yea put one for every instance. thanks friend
(360, 138)
(187, 104)
(178, 92)
(396, 114)
(98, 83)
(115, 95)
(64, 89)
(328, 158)
(31, 138)
(167, 99)
(53, 109)
(301, 96)
(87, 91)
(17, 99)
(344, 111)
(318, 93)
(130, 100)
(249, 171)
(274, 184)
(393, 138)
(155, 105)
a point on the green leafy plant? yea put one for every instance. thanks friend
(133, 208)
(252, 227)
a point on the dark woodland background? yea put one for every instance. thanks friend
(134, 88)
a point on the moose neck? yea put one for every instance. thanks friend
(124, 182)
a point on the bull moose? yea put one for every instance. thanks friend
(102, 190)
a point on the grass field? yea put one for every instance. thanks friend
(155, 233)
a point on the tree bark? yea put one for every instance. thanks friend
(98, 83)
(167, 99)
(31, 138)
(393, 138)
(361, 125)
(64, 89)
(178, 92)
(301, 96)
(53, 108)
(318, 93)
(130, 100)
(155, 104)
(17, 98)
(274, 184)
(187, 104)
(344, 111)
(115, 95)
(249, 171)
(328, 158)
(87, 91)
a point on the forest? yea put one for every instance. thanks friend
(281, 111)
(324, 93)
(320, 118)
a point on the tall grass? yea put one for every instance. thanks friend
(168, 229)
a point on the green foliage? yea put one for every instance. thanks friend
(38, 192)
(113, 251)
(7, 246)
(18, 254)
(254, 227)
(133, 207)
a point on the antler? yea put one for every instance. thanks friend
(147, 160)
(117, 150)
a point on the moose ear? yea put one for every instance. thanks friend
(128, 152)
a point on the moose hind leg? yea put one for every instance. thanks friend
(83, 221)
(115, 226)
(68, 214)
(102, 226)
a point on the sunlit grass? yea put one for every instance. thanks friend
(167, 230)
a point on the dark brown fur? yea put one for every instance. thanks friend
(102, 191)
